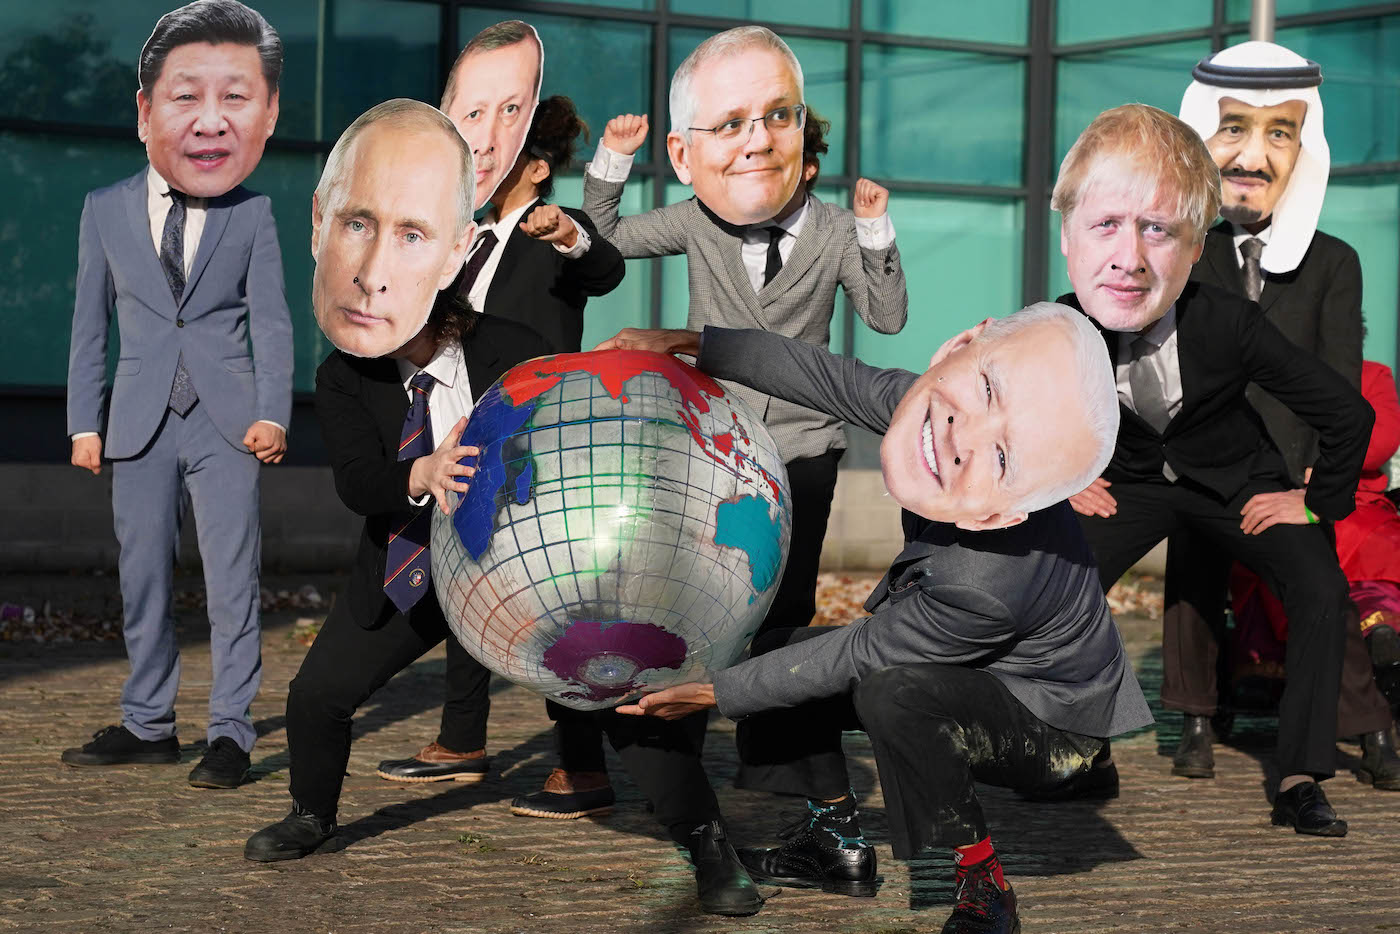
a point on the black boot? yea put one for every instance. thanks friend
(983, 906)
(816, 855)
(1194, 758)
(1383, 644)
(1380, 765)
(721, 882)
(294, 836)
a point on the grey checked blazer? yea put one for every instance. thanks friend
(798, 303)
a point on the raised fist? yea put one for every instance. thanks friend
(548, 222)
(626, 133)
(869, 199)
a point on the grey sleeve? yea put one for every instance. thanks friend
(94, 296)
(951, 624)
(874, 284)
(659, 232)
(805, 374)
(270, 323)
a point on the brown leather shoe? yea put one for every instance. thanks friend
(567, 796)
(436, 763)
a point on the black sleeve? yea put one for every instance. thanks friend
(598, 271)
(368, 478)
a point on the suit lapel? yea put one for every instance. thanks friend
(216, 217)
(153, 278)
(512, 253)
(385, 398)
(1220, 256)
(811, 242)
(730, 242)
(483, 360)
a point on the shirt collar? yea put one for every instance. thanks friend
(1160, 332)
(791, 225)
(1241, 235)
(489, 221)
(158, 189)
(442, 367)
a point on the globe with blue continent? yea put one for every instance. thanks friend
(625, 530)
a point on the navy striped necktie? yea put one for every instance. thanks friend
(408, 567)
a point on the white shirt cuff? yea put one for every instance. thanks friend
(268, 421)
(875, 233)
(581, 244)
(84, 434)
(420, 501)
(610, 166)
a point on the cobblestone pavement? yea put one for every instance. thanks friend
(137, 849)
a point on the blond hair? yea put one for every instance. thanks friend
(1159, 148)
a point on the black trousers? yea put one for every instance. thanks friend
(811, 484)
(1298, 564)
(936, 730)
(1193, 629)
(347, 663)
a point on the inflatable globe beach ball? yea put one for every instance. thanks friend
(625, 530)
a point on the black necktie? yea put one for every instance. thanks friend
(1251, 250)
(486, 243)
(775, 257)
(172, 260)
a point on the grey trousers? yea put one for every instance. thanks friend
(188, 454)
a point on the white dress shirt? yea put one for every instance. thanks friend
(1163, 360)
(450, 397)
(872, 233)
(504, 227)
(157, 207)
(1241, 235)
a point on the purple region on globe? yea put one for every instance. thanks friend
(605, 656)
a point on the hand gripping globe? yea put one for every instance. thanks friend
(625, 530)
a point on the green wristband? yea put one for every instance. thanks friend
(1312, 517)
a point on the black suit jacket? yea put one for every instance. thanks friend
(1317, 306)
(361, 405)
(544, 290)
(1216, 439)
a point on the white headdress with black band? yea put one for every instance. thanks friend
(1262, 74)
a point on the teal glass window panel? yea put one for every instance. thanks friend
(74, 61)
(45, 180)
(941, 116)
(1087, 85)
(620, 4)
(628, 305)
(675, 272)
(988, 21)
(289, 178)
(1365, 212)
(1361, 85)
(1090, 20)
(823, 83)
(962, 261)
(377, 50)
(603, 65)
(1238, 11)
(1059, 274)
(835, 14)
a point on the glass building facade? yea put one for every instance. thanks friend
(962, 110)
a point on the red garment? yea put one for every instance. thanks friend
(1368, 543)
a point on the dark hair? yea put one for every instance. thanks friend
(553, 137)
(212, 21)
(814, 144)
(489, 39)
(452, 317)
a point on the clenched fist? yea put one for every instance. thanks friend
(87, 453)
(626, 133)
(548, 222)
(869, 199)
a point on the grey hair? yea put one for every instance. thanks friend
(401, 112)
(1098, 390)
(510, 32)
(212, 21)
(722, 45)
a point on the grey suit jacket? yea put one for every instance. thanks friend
(234, 291)
(1023, 603)
(798, 303)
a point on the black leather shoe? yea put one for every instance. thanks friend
(720, 880)
(1096, 783)
(116, 745)
(983, 906)
(294, 836)
(435, 763)
(1304, 808)
(813, 858)
(225, 765)
(1380, 765)
(1194, 757)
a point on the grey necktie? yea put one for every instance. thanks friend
(1251, 250)
(172, 261)
(1149, 400)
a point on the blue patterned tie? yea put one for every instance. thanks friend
(172, 260)
(407, 569)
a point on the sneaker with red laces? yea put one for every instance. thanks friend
(983, 906)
